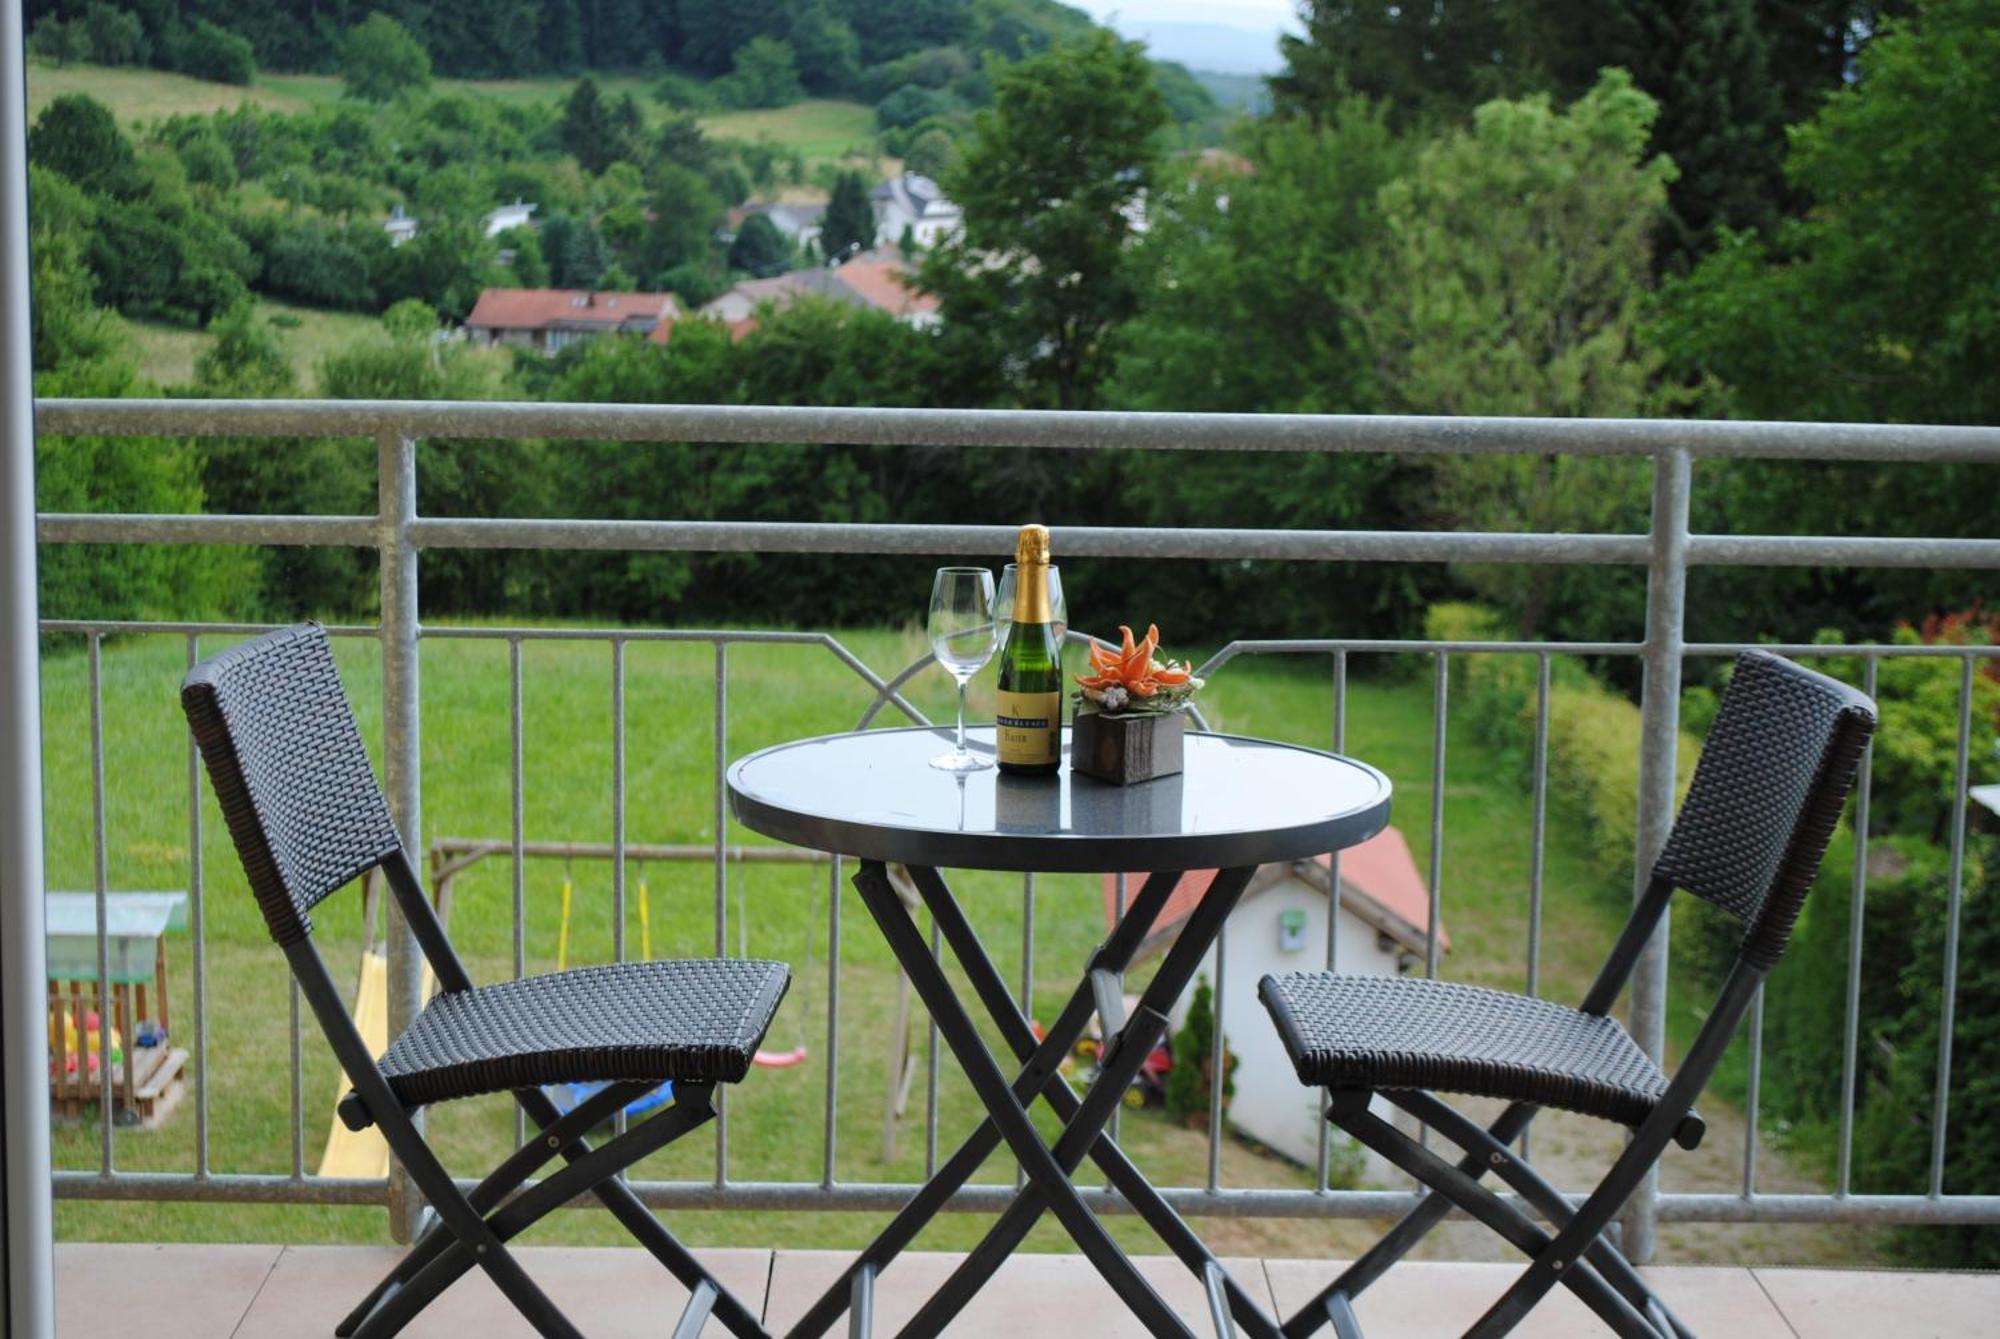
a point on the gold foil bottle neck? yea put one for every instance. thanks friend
(1033, 546)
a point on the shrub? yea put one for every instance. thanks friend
(207, 51)
(911, 104)
(1189, 1082)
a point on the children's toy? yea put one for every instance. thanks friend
(97, 1004)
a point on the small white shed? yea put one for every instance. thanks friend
(1280, 926)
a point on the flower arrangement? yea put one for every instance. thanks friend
(1130, 681)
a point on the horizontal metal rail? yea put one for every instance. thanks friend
(1400, 546)
(1032, 428)
(887, 1197)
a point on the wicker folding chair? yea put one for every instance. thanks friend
(307, 818)
(1773, 778)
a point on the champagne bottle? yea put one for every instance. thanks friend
(1029, 721)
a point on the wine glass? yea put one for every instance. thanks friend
(962, 639)
(1003, 604)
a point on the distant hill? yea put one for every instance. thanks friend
(1246, 91)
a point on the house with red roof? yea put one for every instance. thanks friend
(552, 318)
(879, 280)
(1382, 927)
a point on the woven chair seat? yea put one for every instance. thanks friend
(697, 1020)
(1399, 1033)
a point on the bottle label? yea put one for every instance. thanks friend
(1029, 726)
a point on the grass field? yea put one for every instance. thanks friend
(166, 354)
(821, 130)
(779, 911)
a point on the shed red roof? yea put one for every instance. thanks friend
(1380, 870)
(542, 308)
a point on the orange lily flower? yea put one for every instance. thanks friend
(1132, 667)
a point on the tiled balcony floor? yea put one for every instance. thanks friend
(219, 1292)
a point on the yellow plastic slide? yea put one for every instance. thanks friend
(364, 1153)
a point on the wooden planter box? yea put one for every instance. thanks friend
(1126, 749)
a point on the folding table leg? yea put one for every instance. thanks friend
(997, 1096)
(1086, 1124)
(1019, 1033)
(1040, 1073)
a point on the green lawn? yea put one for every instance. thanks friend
(167, 353)
(136, 95)
(774, 693)
(822, 130)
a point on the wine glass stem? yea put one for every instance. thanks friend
(961, 718)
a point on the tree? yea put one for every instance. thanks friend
(207, 51)
(931, 153)
(587, 131)
(77, 136)
(1513, 262)
(1881, 304)
(574, 251)
(59, 42)
(1042, 272)
(379, 59)
(849, 221)
(530, 267)
(1431, 60)
(685, 213)
(1191, 1081)
(763, 73)
(243, 359)
(827, 51)
(67, 328)
(910, 104)
(1257, 275)
(760, 249)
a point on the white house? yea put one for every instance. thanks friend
(1280, 926)
(516, 215)
(799, 223)
(915, 203)
(400, 227)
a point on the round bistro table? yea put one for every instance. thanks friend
(873, 795)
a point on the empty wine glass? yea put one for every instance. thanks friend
(962, 638)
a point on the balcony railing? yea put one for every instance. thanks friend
(1667, 550)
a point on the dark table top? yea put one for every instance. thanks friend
(873, 794)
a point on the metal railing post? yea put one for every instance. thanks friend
(27, 1280)
(1660, 723)
(402, 745)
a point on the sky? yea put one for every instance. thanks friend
(1257, 14)
(1238, 36)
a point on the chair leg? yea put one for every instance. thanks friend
(652, 1234)
(1412, 1228)
(522, 1164)
(1513, 1226)
(482, 1241)
(1545, 1199)
(1560, 1260)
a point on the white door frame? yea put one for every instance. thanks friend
(27, 1286)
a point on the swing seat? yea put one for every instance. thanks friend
(780, 1059)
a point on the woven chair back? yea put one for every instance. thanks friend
(1774, 776)
(290, 771)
